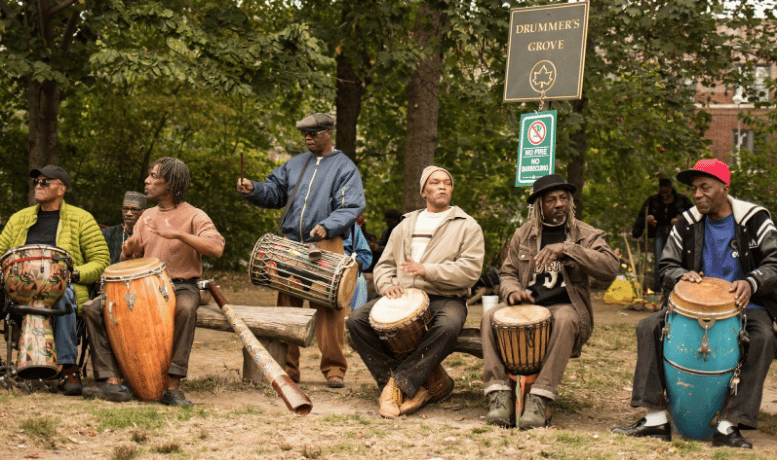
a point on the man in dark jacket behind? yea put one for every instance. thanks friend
(660, 212)
(328, 199)
(725, 238)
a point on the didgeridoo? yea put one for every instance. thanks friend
(294, 398)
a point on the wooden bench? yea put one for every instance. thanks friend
(274, 327)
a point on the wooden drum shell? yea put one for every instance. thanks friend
(522, 334)
(402, 322)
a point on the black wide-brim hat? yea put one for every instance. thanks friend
(547, 184)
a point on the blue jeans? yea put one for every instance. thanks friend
(662, 235)
(65, 329)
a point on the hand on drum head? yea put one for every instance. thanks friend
(520, 297)
(742, 292)
(394, 292)
(692, 277)
(245, 186)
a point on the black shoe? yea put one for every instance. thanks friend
(733, 439)
(639, 430)
(174, 398)
(70, 383)
(108, 392)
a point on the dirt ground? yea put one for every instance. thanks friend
(235, 420)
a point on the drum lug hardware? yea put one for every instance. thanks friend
(735, 380)
(110, 312)
(130, 298)
(704, 349)
(163, 290)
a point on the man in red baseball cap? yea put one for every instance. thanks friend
(727, 238)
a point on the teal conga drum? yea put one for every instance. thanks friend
(701, 353)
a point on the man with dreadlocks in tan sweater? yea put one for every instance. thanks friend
(178, 234)
(549, 261)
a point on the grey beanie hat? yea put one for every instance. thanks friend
(138, 199)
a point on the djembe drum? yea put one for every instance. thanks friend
(701, 353)
(284, 265)
(35, 277)
(139, 310)
(402, 322)
(522, 333)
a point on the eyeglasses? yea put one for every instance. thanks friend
(311, 133)
(127, 209)
(42, 182)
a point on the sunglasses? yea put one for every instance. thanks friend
(42, 182)
(306, 132)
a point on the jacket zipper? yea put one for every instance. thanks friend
(305, 203)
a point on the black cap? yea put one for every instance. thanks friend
(547, 184)
(392, 214)
(52, 172)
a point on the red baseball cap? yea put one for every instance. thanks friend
(710, 167)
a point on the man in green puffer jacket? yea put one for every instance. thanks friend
(56, 223)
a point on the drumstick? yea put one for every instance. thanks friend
(294, 398)
(241, 166)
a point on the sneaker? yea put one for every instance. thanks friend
(501, 409)
(536, 414)
(174, 398)
(108, 392)
(70, 382)
(390, 400)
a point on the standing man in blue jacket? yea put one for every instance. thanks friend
(328, 199)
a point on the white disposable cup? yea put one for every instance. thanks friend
(489, 302)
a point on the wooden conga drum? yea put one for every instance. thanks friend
(139, 311)
(701, 353)
(402, 322)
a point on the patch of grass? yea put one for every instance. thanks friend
(139, 437)
(115, 418)
(311, 451)
(188, 413)
(767, 423)
(247, 410)
(39, 428)
(168, 448)
(124, 452)
(346, 418)
(215, 384)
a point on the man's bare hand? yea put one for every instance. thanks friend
(394, 292)
(413, 268)
(318, 232)
(742, 292)
(518, 297)
(245, 186)
(547, 255)
(692, 277)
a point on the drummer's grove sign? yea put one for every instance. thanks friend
(537, 150)
(546, 52)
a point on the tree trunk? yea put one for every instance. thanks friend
(423, 105)
(43, 107)
(348, 103)
(576, 172)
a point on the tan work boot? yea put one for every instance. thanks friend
(536, 414)
(390, 400)
(413, 404)
(439, 384)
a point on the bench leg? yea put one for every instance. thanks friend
(276, 348)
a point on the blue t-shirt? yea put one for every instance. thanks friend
(720, 255)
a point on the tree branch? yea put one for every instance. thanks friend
(61, 7)
(70, 30)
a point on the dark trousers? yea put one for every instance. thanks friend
(448, 316)
(649, 383)
(187, 299)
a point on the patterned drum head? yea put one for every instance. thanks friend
(388, 313)
(708, 299)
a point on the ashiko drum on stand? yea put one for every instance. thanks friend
(701, 353)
